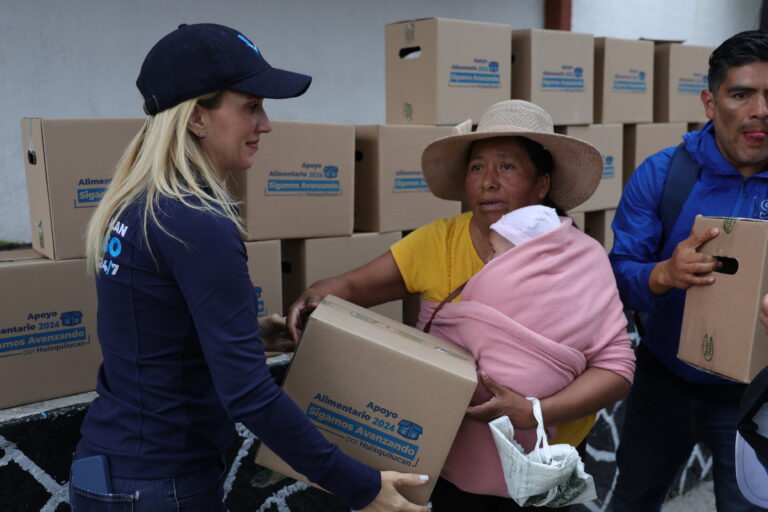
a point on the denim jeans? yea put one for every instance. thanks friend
(665, 418)
(201, 491)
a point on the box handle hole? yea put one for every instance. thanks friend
(730, 265)
(412, 52)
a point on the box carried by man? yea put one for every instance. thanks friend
(721, 330)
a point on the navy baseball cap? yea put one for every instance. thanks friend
(752, 441)
(198, 59)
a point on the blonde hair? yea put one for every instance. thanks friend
(163, 160)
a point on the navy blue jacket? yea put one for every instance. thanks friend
(719, 191)
(183, 361)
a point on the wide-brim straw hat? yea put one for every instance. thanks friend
(578, 165)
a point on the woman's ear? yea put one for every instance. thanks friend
(196, 124)
(544, 183)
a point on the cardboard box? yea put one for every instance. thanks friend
(264, 265)
(721, 331)
(301, 184)
(680, 74)
(607, 138)
(69, 164)
(48, 342)
(387, 394)
(693, 127)
(623, 81)
(579, 219)
(307, 261)
(390, 191)
(19, 254)
(441, 71)
(644, 140)
(555, 69)
(598, 226)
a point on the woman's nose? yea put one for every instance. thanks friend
(263, 125)
(490, 178)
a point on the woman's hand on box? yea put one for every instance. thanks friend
(389, 499)
(274, 334)
(300, 311)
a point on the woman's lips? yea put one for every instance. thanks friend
(492, 206)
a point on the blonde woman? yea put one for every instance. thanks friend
(177, 316)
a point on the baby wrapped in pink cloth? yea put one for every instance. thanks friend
(535, 317)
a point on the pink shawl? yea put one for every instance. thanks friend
(535, 318)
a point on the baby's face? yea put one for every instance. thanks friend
(499, 244)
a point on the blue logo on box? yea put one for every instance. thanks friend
(330, 171)
(641, 75)
(409, 429)
(608, 160)
(493, 66)
(71, 318)
(578, 71)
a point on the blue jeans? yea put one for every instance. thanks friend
(200, 491)
(665, 418)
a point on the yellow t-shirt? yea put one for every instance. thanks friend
(436, 259)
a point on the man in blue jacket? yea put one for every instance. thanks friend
(673, 406)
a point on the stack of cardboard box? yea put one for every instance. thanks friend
(628, 98)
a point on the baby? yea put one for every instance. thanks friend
(534, 318)
(521, 225)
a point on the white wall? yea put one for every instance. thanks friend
(80, 58)
(700, 22)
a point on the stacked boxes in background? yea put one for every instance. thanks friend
(680, 74)
(442, 71)
(48, 342)
(309, 260)
(607, 138)
(391, 193)
(555, 70)
(643, 140)
(301, 183)
(623, 81)
(69, 165)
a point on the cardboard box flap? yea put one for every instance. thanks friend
(37, 180)
(407, 340)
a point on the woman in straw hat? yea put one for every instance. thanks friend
(513, 159)
(177, 317)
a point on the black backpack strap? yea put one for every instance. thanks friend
(683, 173)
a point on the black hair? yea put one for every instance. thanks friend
(543, 163)
(739, 50)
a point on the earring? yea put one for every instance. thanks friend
(201, 134)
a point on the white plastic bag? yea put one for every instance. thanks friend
(551, 476)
